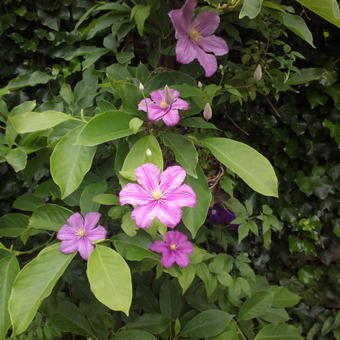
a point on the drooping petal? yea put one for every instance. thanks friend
(181, 18)
(147, 176)
(214, 44)
(66, 233)
(181, 259)
(145, 104)
(133, 194)
(182, 196)
(158, 96)
(185, 247)
(96, 234)
(91, 220)
(180, 104)
(207, 61)
(85, 248)
(206, 23)
(168, 214)
(171, 118)
(185, 51)
(144, 214)
(158, 247)
(69, 246)
(168, 259)
(171, 178)
(76, 221)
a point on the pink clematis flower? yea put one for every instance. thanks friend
(195, 38)
(164, 105)
(175, 248)
(79, 234)
(160, 195)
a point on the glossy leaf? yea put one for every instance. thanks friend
(17, 158)
(12, 225)
(256, 305)
(284, 298)
(250, 8)
(133, 335)
(87, 204)
(279, 331)
(140, 13)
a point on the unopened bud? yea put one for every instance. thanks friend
(258, 73)
(207, 113)
(148, 152)
(221, 67)
(141, 87)
(169, 99)
(199, 84)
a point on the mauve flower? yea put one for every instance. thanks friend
(160, 195)
(218, 215)
(195, 38)
(164, 105)
(175, 248)
(79, 234)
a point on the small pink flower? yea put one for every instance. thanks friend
(195, 38)
(164, 105)
(160, 195)
(175, 248)
(79, 234)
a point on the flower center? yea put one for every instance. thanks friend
(157, 194)
(194, 34)
(173, 246)
(163, 105)
(213, 212)
(81, 232)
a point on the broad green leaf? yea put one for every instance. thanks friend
(30, 79)
(256, 305)
(246, 162)
(133, 335)
(36, 121)
(275, 315)
(140, 13)
(207, 324)
(34, 283)
(12, 225)
(49, 217)
(105, 127)
(184, 150)
(186, 277)
(170, 299)
(70, 162)
(87, 204)
(227, 335)
(250, 8)
(280, 331)
(283, 297)
(151, 322)
(17, 158)
(27, 202)
(128, 225)
(197, 122)
(9, 268)
(106, 199)
(306, 75)
(110, 279)
(193, 218)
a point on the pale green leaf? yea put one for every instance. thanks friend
(250, 8)
(17, 158)
(256, 305)
(140, 13)
(12, 225)
(280, 331)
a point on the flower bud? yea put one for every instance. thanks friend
(148, 152)
(199, 84)
(221, 67)
(258, 73)
(207, 113)
(141, 87)
(169, 99)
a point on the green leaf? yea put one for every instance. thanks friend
(140, 13)
(256, 305)
(70, 162)
(30, 79)
(110, 279)
(34, 283)
(207, 324)
(133, 335)
(306, 75)
(243, 231)
(246, 162)
(184, 150)
(49, 217)
(283, 297)
(275, 315)
(36, 121)
(250, 8)
(279, 331)
(186, 277)
(106, 199)
(27, 202)
(152, 322)
(197, 122)
(17, 158)
(170, 299)
(12, 225)
(193, 218)
(9, 268)
(105, 127)
(128, 225)
(87, 203)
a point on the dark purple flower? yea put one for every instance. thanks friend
(218, 215)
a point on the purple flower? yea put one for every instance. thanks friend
(195, 38)
(79, 234)
(164, 105)
(160, 195)
(175, 248)
(218, 215)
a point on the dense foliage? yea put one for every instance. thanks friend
(73, 75)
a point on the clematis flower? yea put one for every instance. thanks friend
(195, 38)
(218, 215)
(160, 195)
(164, 105)
(175, 248)
(80, 233)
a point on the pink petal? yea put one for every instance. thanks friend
(168, 259)
(168, 214)
(214, 44)
(180, 104)
(144, 214)
(156, 113)
(181, 18)
(91, 220)
(147, 176)
(171, 118)
(181, 259)
(185, 51)
(206, 23)
(175, 237)
(158, 247)
(185, 247)
(66, 233)
(172, 178)
(133, 194)
(183, 196)
(85, 248)
(158, 96)
(76, 221)
(96, 234)
(69, 246)
(145, 104)
(207, 61)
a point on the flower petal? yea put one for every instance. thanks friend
(145, 104)
(183, 196)
(158, 96)
(158, 247)
(133, 194)
(207, 61)
(85, 248)
(175, 237)
(214, 44)
(91, 220)
(172, 178)
(168, 259)
(147, 176)
(169, 214)
(76, 221)
(144, 214)
(206, 23)
(185, 51)
(185, 247)
(66, 233)
(156, 113)
(181, 259)
(171, 118)
(180, 104)
(96, 234)
(69, 246)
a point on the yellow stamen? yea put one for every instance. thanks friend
(213, 212)
(194, 34)
(81, 232)
(163, 105)
(173, 246)
(157, 194)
